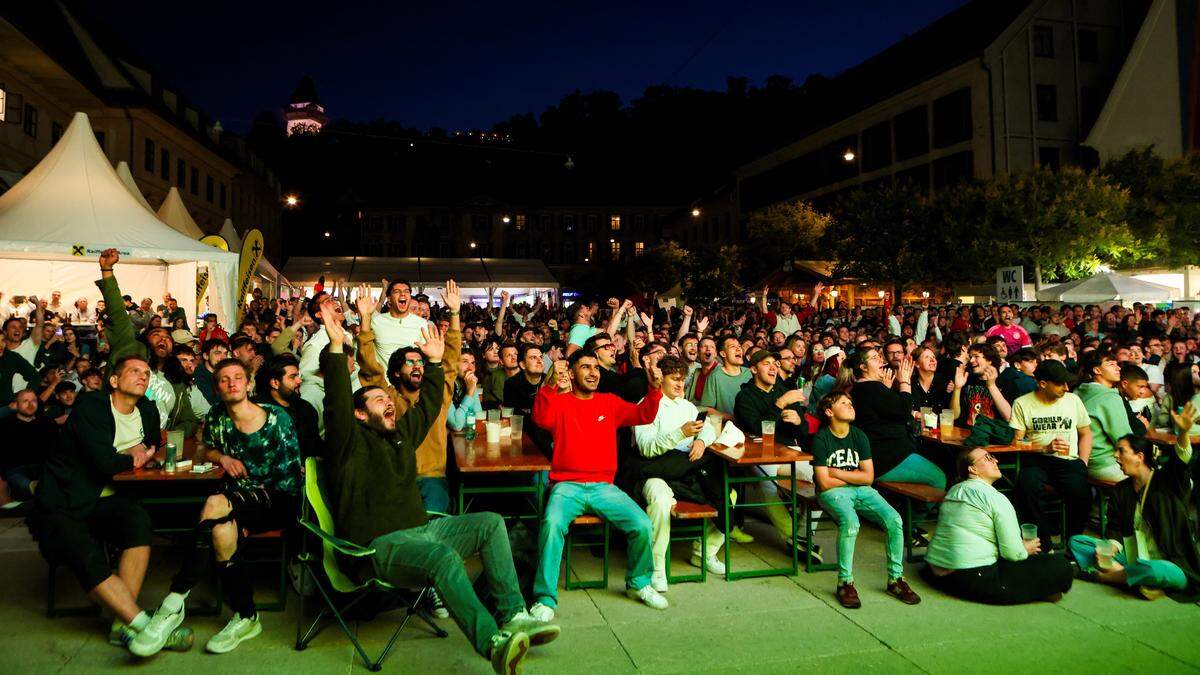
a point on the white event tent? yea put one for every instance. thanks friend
(126, 177)
(1107, 287)
(174, 212)
(71, 206)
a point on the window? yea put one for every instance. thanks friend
(148, 154)
(221, 195)
(591, 251)
(195, 181)
(616, 250)
(164, 164)
(639, 221)
(953, 169)
(208, 188)
(31, 121)
(547, 222)
(568, 222)
(1089, 46)
(1047, 103)
(568, 252)
(591, 223)
(952, 118)
(56, 129)
(639, 247)
(876, 146)
(614, 223)
(181, 174)
(912, 133)
(1050, 157)
(520, 222)
(1043, 42)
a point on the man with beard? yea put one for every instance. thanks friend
(75, 514)
(725, 382)
(521, 390)
(16, 342)
(156, 349)
(213, 352)
(279, 384)
(399, 327)
(254, 444)
(707, 362)
(27, 438)
(1014, 336)
(785, 360)
(405, 374)
(371, 481)
(584, 425)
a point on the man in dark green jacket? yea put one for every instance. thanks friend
(372, 483)
(765, 399)
(74, 515)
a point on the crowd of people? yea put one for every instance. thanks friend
(623, 398)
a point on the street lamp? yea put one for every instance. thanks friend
(695, 213)
(472, 244)
(328, 233)
(506, 220)
(925, 294)
(292, 201)
(848, 155)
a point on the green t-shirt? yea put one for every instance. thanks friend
(721, 390)
(580, 333)
(1042, 422)
(840, 453)
(271, 454)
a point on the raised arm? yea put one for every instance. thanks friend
(370, 370)
(504, 299)
(686, 324)
(339, 403)
(415, 423)
(121, 338)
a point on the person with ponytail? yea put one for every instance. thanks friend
(1155, 550)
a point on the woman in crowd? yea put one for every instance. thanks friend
(930, 390)
(1156, 551)
(978, 552)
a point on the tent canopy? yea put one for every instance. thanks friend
(127, 178)
(470, 273)
(71, 206)
(174, 213)
(1107, 287)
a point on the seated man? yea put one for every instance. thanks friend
(372, 472)
(976, 391)
(677, 465)
(520, 391)
(1018, 380)
(257, 446)
(1055, 421)
(584, 425)
(28, 438)
(1141, 407)
(1100, 374)
(74, 514)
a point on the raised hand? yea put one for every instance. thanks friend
(818, 288)
(687, 310)
(613, 303)
(337, 334)
(702, 325)
(470, 380)
(1183, 420)
(434, 345)
(363, 302)
(989, 374)
(452, 296)
(906, 370)
(504, 296)
(108, 258)
(562, 376)
(889, 378)
(655, 376)
(648, 321)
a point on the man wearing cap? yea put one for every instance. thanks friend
(1056, 422)
(765, 399)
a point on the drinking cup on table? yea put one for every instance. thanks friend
(768, 433)
(1028, 531)
(946, 425)
(493, 432)
(517, 424)
(493, 415)
(505, 413)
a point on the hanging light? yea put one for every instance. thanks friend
(695, 213)
(848, 155)
(291, 200)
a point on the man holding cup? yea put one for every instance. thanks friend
(1056, 422)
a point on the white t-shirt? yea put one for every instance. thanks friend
(28, 351)
(1154, 374)
(392, 333)
(310, 353)
(787, 324)
(1043, 423)
(129, 428)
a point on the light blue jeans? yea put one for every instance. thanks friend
(1162, 574)
(845, 503)
(567, 502)
(916, 469)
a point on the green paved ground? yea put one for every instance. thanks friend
(768, 625)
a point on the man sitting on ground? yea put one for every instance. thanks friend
(371, 477)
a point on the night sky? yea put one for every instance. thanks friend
(463, 65)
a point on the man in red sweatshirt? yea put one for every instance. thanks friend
(584, 425)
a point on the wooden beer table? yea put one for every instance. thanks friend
(513, 467)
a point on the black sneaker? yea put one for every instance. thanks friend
(436, 606)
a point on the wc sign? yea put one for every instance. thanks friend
(1010, 284)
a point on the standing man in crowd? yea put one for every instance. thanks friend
(399, 327)
(1014, 336)
(724, 384)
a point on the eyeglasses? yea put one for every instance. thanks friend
(989, 457)
(607, 346)
(414, 362)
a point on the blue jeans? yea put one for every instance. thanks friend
(916, 469)
(1162, 574)
(19, 481)
(435, 493)
(844, 504)
(567, 502)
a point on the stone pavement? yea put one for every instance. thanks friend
(776, 624)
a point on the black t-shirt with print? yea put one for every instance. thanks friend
(840, 453)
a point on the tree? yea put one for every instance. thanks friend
(1164, 203)
(712, 272)
(1063, 222)
(659, 268)
(785, 231)
(876, 235)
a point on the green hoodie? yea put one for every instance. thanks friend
(1109, 422)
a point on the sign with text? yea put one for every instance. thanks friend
(1010, 284)
(86, 251)
(252, 250)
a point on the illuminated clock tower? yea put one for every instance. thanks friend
(305, 114)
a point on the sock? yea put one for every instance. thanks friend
(140, 621)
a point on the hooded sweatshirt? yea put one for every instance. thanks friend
(753, 406)
(1109, 422)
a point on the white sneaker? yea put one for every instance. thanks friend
(658, 580)
(237, 631)
(541, 612)
(154, 636)
(648, 595)
(539, 632)
(714, 564)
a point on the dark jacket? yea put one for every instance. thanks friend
(372, 478)
(304, 419)
(84, 459)
(1166, 514)
(753, 406)
(885, 416)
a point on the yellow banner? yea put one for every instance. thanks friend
(252, 250)
(201, 284)
(215, 240)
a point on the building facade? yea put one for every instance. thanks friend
(53, 64)
(993, 87)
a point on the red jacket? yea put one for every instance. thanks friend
(585, 431)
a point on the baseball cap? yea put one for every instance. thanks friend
(761, 355)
